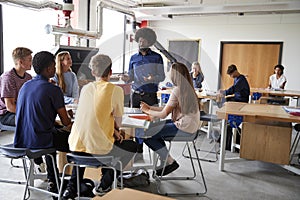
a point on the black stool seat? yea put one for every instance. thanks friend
(190, 138)
(6, 127)
(13, 152)
(94, 160)
(208, 117)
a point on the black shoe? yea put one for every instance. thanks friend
(52, 188)
(168, 169)
(69, 193)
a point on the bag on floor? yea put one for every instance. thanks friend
(137, 178)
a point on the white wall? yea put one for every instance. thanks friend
(214, 29)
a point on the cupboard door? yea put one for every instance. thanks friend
(255, 60)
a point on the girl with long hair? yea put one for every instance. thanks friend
(65, 78)
(185, 116)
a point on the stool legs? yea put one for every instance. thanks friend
(193, 177)
(31, 176)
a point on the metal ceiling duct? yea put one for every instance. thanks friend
(218, 9)
(34, 4)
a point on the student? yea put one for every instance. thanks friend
(241, 91)
(100, 107)
(11, 82)
(197, 75)
(146, 71)
(65, 78)
(183, 104)
(38, 104)
(240, 88)
(277, 80)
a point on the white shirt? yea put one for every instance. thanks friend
(276, 83)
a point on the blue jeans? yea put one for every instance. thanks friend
(159, 131)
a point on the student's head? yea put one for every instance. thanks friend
(196, 67)
(63, 62)
(232, 71)
(22, 57)
(145, 37)
(100, 65)
(43, 63)
(180, 74)
(181, 78)
(278, 69)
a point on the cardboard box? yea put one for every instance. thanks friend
(130, 194)
(266, 142)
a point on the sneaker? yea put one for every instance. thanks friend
(69, 193)
(52, 188)
(41, 168)
(168, 169)
(99, 191)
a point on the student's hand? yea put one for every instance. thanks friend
(144, 107)
(124, 77)
(52, 81)
(148, 78)
(119, 135)
(70, 113)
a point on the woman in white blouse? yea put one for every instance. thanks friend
(277, 80)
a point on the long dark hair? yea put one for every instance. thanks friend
(181, 78)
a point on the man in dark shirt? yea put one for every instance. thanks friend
(146, 71)
(240, 88)
(38, 104)
(241, 91)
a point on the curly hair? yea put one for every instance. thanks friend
(146, 33)
(42, 60)
(280, 67)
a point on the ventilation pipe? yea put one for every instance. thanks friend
(34, 4)
(119, 8)
(67, 7)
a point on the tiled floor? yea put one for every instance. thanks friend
(245, 180)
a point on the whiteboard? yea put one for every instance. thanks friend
(185, 51)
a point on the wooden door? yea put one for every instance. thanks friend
(255, 60)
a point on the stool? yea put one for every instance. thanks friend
(209, 118)
(6, 127)
(94, 161)
(295, 142)
(12, 152)
(191, 139)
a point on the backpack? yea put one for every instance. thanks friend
(137, 178)
(86, 188)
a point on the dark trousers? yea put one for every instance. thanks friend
(150, 99)
(229, 137)
(8, 119)
(124, 151)
(60, 143)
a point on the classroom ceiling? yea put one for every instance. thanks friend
(160, 9)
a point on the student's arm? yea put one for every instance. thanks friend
(270, 83)
(64, 118)
(159, 112)
(283, 85)
(10, 104)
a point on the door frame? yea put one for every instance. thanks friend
(245, 42)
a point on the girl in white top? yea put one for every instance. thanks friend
(183, 104)
(277, 80)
